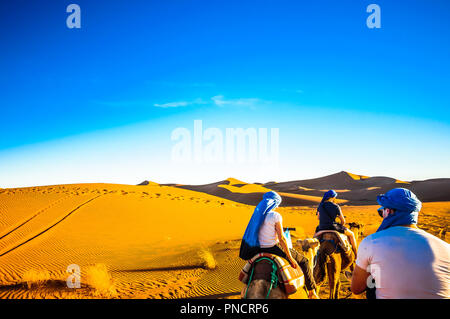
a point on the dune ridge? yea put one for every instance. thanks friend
(352, 189)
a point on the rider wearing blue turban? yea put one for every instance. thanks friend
(250, 241)
(405, 206)
(329, 194)
(264, 233)
(327, 212)
(404, 261)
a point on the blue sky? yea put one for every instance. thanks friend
(98, 104)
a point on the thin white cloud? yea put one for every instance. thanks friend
(220, 100)
(180, 103)
(172, 104)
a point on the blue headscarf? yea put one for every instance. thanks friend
(406, 205)
(330, 194)
(270, 201)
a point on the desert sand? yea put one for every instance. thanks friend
(148, 241)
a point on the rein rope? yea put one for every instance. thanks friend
(273, 276)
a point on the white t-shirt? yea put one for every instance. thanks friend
(406, 263)
(267, 235)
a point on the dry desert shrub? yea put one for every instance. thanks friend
(207, 259)
(34, 277)
(98, 278)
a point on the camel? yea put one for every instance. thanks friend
(332, 262)
(259, 288)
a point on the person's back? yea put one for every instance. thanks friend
(328, 211)
(267, 234)
(406, 262)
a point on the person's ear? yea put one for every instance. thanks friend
(386, 212)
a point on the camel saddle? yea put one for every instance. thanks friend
(331, 235)
(292, 279)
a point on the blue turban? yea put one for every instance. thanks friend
(330, 194)
(406, 205)
(270, 201)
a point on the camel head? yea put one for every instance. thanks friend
(357, 228)
(309, 243)
(310, 246)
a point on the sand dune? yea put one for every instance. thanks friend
(148, 241)
(237, 186)
(352, 189)
(127, 228)
(312, 200)
(357, 177)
